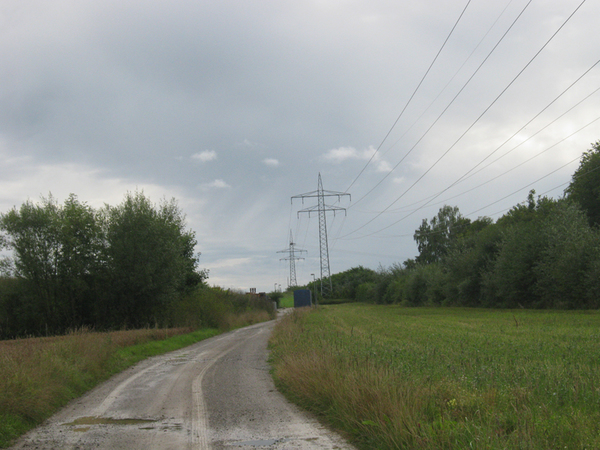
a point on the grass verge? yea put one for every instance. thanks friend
(445, 378)
(40, 375)
(287, 301)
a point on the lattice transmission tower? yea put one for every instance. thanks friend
(322, 208)
(292, 258)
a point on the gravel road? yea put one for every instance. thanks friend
(216, 394)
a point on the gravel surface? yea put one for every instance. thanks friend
(216, 394)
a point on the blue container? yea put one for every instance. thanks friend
(302, 298)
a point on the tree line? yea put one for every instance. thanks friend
(75, 266)
(543, 253)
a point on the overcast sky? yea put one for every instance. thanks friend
(233, 107)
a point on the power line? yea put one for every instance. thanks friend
(505, 209)
(466, 176)
(428, 200)
(529, 122)
(412, 96)
(470, 127)
(517, 166)
(492, 179)
(453, 76)
(525, 187)
(446, 109)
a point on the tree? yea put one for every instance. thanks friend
(467, 262)
(435, 237)
(80, 246)
(511, 280)
(345, 284)
(149, 257)
(585, 184)
(6, 262)
(75, 266)
(572, 249)
(56, 250)
(32, 234)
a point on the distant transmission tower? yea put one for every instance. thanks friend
(292, 258)
(322, 208)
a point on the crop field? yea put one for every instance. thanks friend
(445, 378)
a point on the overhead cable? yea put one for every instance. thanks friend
(412, 96)
(446, 109)
(469, 128)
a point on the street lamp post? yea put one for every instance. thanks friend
(315, 287)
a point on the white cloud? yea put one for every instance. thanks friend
(206, 155)
(217, 184)
(339, 155)
(91, 185)
(383, 166)
(271, 162)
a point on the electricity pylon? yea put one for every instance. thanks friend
(322, 209)
(292, 258)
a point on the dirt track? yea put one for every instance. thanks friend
(217, 394)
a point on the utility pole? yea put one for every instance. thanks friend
(314, 287)
(322, 209)
(292, 258)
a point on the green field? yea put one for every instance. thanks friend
(287, 301)
(446, 378)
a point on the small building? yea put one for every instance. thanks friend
(302, 298)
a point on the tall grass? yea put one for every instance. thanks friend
(39, 375)
(421, 378)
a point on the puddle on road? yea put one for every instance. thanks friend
(84, 424)
(108, 421)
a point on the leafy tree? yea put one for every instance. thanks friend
(468, 261)
(416, 285)
(149, 259)
(585, 184)
(75, 266)
(81, 243)
(32, 234)
(345, 284)
(511, 281)
(435, 237)
(6, 262)
(56, 251)
(572, 249)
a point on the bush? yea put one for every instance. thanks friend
(395, 291)
(571, 249)
(214, 307)
(366, 292)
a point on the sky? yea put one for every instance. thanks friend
(234, 107)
